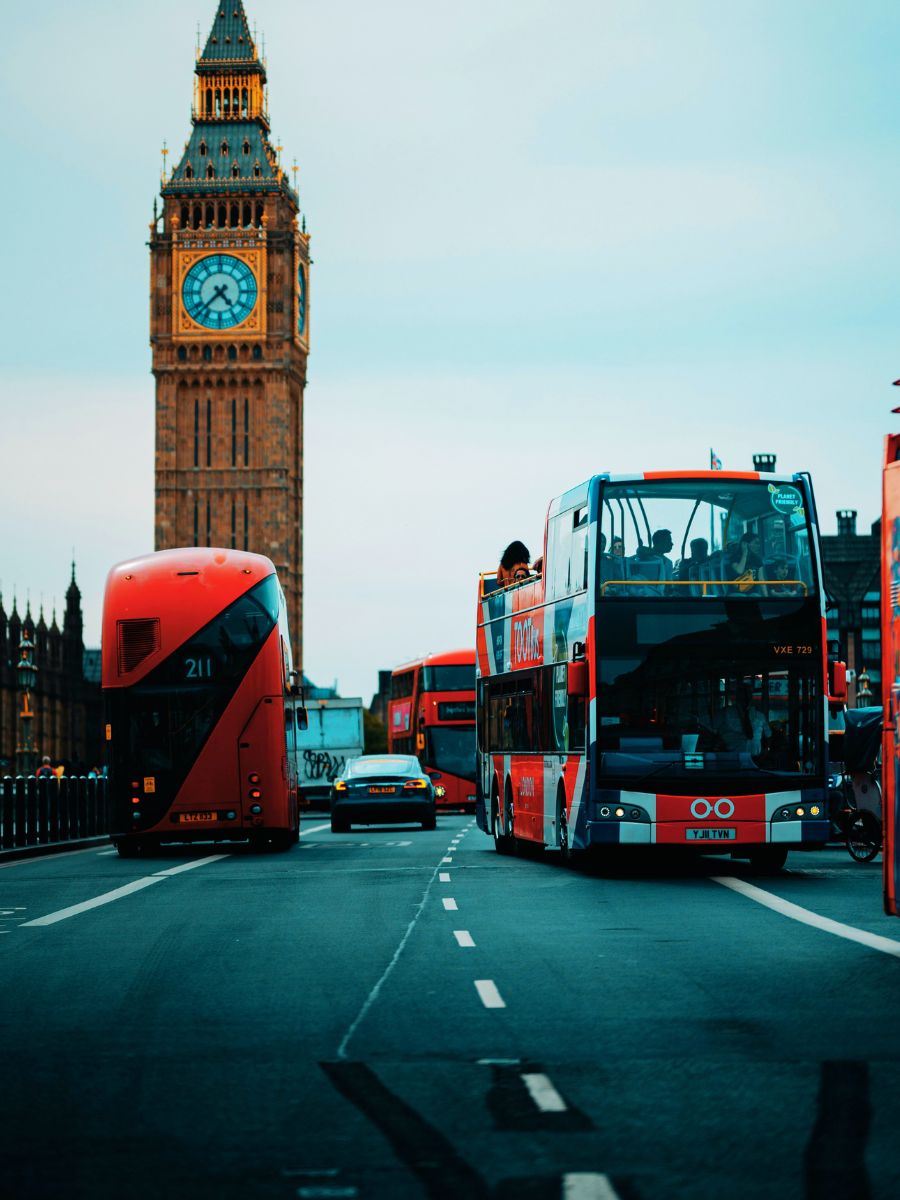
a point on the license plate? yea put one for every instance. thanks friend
(710, 835)
(198, 818)
(381, 791)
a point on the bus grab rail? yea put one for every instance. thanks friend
(741, 585)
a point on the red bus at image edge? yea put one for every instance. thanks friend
(200, 712)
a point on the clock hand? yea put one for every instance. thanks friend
(219, 293)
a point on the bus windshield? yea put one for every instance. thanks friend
(699, 537)
(450, 678)
(452, 749)
(721, 696)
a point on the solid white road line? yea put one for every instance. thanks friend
(449, 903)
(582, 1185)
(106, 898)
(873, 941)
(463, 937)
(42, 858)
(490, 997)
(444, 877)
(189, 866)
(314, 829)
(544, 1094)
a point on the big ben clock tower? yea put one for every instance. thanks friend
(229, 324)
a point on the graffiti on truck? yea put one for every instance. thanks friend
(319, 764)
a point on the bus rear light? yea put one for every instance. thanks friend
(255, 793)
(135, 785)
(814, 810)
(256, 808)
(636, 814)
(135, 815)
(801, 812)
(620, 812)
(786, 812)
(415, 785)
(135, 799)
(253, 777)
(230, 815)
(604, 812)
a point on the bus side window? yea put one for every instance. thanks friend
(579, 551)
(561, 542)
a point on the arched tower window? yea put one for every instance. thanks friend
(256, 170)
(185, 216)
(203, 149)
(246, 146)
(210, 216)
(210, 172)
(245, 102)
(189, 172)
(218, 103)
(222, 216)
(235, 216)
(235, 101)
(246, 216)
(259, 215)
(198, 217)
(209, 102)
(226, 102)
(235, 171)
(232, 353)
(225, 150)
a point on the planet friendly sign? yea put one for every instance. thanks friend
(785, 499)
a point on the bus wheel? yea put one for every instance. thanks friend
(130, 847)
(282, 839)
(768, 860)
(339, 824)
(503, 843)
(562, 828)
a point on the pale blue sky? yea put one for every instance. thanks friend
(549, 239)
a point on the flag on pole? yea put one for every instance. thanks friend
(715, 463)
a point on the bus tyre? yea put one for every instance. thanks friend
(768, 860)
(864, 836)
(339, 824)
(282, 839)
(130, 847)
(503, 843)
(562, 828)
(429, 821)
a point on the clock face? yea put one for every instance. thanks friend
(219, 291)
(301, 300)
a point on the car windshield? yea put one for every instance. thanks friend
(699, 537)
(360, 768)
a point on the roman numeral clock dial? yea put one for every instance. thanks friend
(219, 291)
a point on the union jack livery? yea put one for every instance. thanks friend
(663, 680)
(890, 670)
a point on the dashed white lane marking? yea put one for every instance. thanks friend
(103, 853)
(463, 937)
(314, 829)
(446, 860)
(444, 877)
(583, 1185)
(449, 903)
(490, 997)
(873, 941)
(107, 898)
(544, 1094)
(136, 885)
(189, 866)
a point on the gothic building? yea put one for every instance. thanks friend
(229, 324)
(66, 704)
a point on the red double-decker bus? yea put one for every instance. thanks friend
(890, 672)
(200, 707)
(431, 713)
(664, 681)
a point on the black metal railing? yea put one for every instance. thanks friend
(47, 812)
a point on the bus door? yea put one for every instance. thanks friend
(890, 673)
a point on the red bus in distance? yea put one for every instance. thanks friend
(431, 713)
(200, 708)
(664, 681)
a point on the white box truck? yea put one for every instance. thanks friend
(332, 737)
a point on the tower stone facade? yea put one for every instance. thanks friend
(229, 324)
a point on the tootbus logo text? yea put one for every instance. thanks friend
(526, 642)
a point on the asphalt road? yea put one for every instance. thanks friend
(404, 1014)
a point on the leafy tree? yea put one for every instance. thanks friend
(374, 733)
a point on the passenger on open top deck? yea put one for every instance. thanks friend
(661, 543)
(777, 585)
(743, 562)
(617, 549)
(514, 564)
(689, 568)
